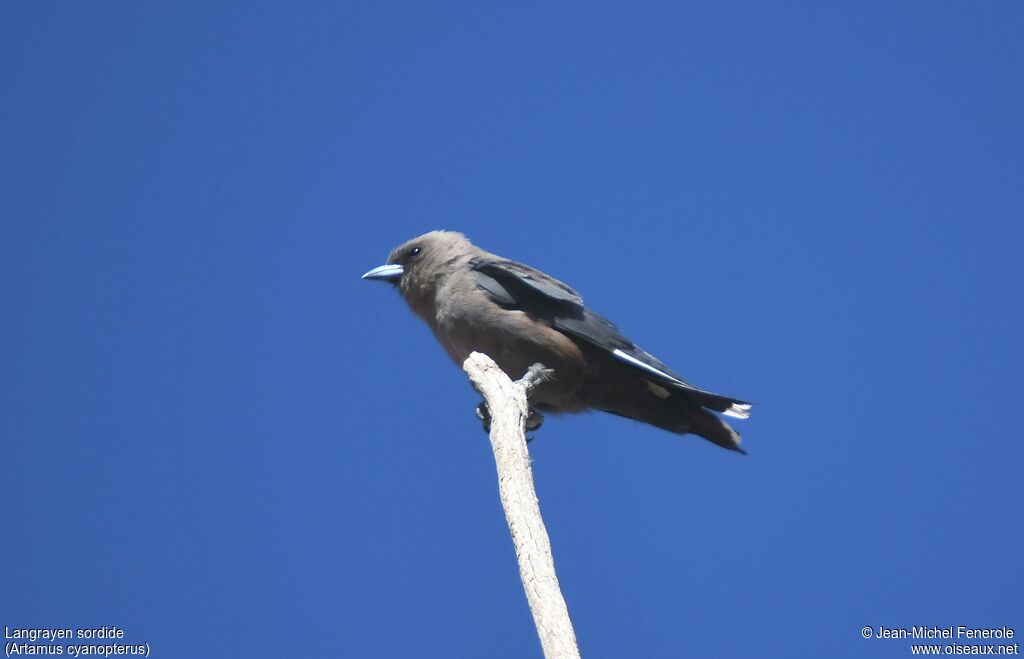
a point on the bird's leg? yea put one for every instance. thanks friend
(536, 375)
(484, 414)
(533, 422)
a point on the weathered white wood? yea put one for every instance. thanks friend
(509, 410)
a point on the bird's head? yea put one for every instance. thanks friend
(419, 266)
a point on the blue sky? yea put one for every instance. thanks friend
(218, 438)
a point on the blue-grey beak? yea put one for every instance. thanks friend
(391, 272)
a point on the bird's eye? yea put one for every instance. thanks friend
(413, 252)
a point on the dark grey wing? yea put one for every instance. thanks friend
(509, 279)
(517, 286)
(600, 332)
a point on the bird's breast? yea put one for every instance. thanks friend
(515, 341)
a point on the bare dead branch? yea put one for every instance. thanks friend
(509, 411)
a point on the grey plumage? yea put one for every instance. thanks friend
(475, 300)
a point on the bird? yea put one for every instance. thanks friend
(474, 300)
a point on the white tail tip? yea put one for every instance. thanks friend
(738, 411)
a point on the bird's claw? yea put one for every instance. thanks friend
(534, 421)
(484, 414)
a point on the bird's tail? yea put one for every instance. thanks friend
(711, 427)
(677, 412)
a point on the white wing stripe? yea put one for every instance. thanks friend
(629, 359)
(736, 410)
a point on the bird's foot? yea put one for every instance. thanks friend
(534, 421)
(484, 414)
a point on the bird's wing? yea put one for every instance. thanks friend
(517, 286)
(512, 283)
